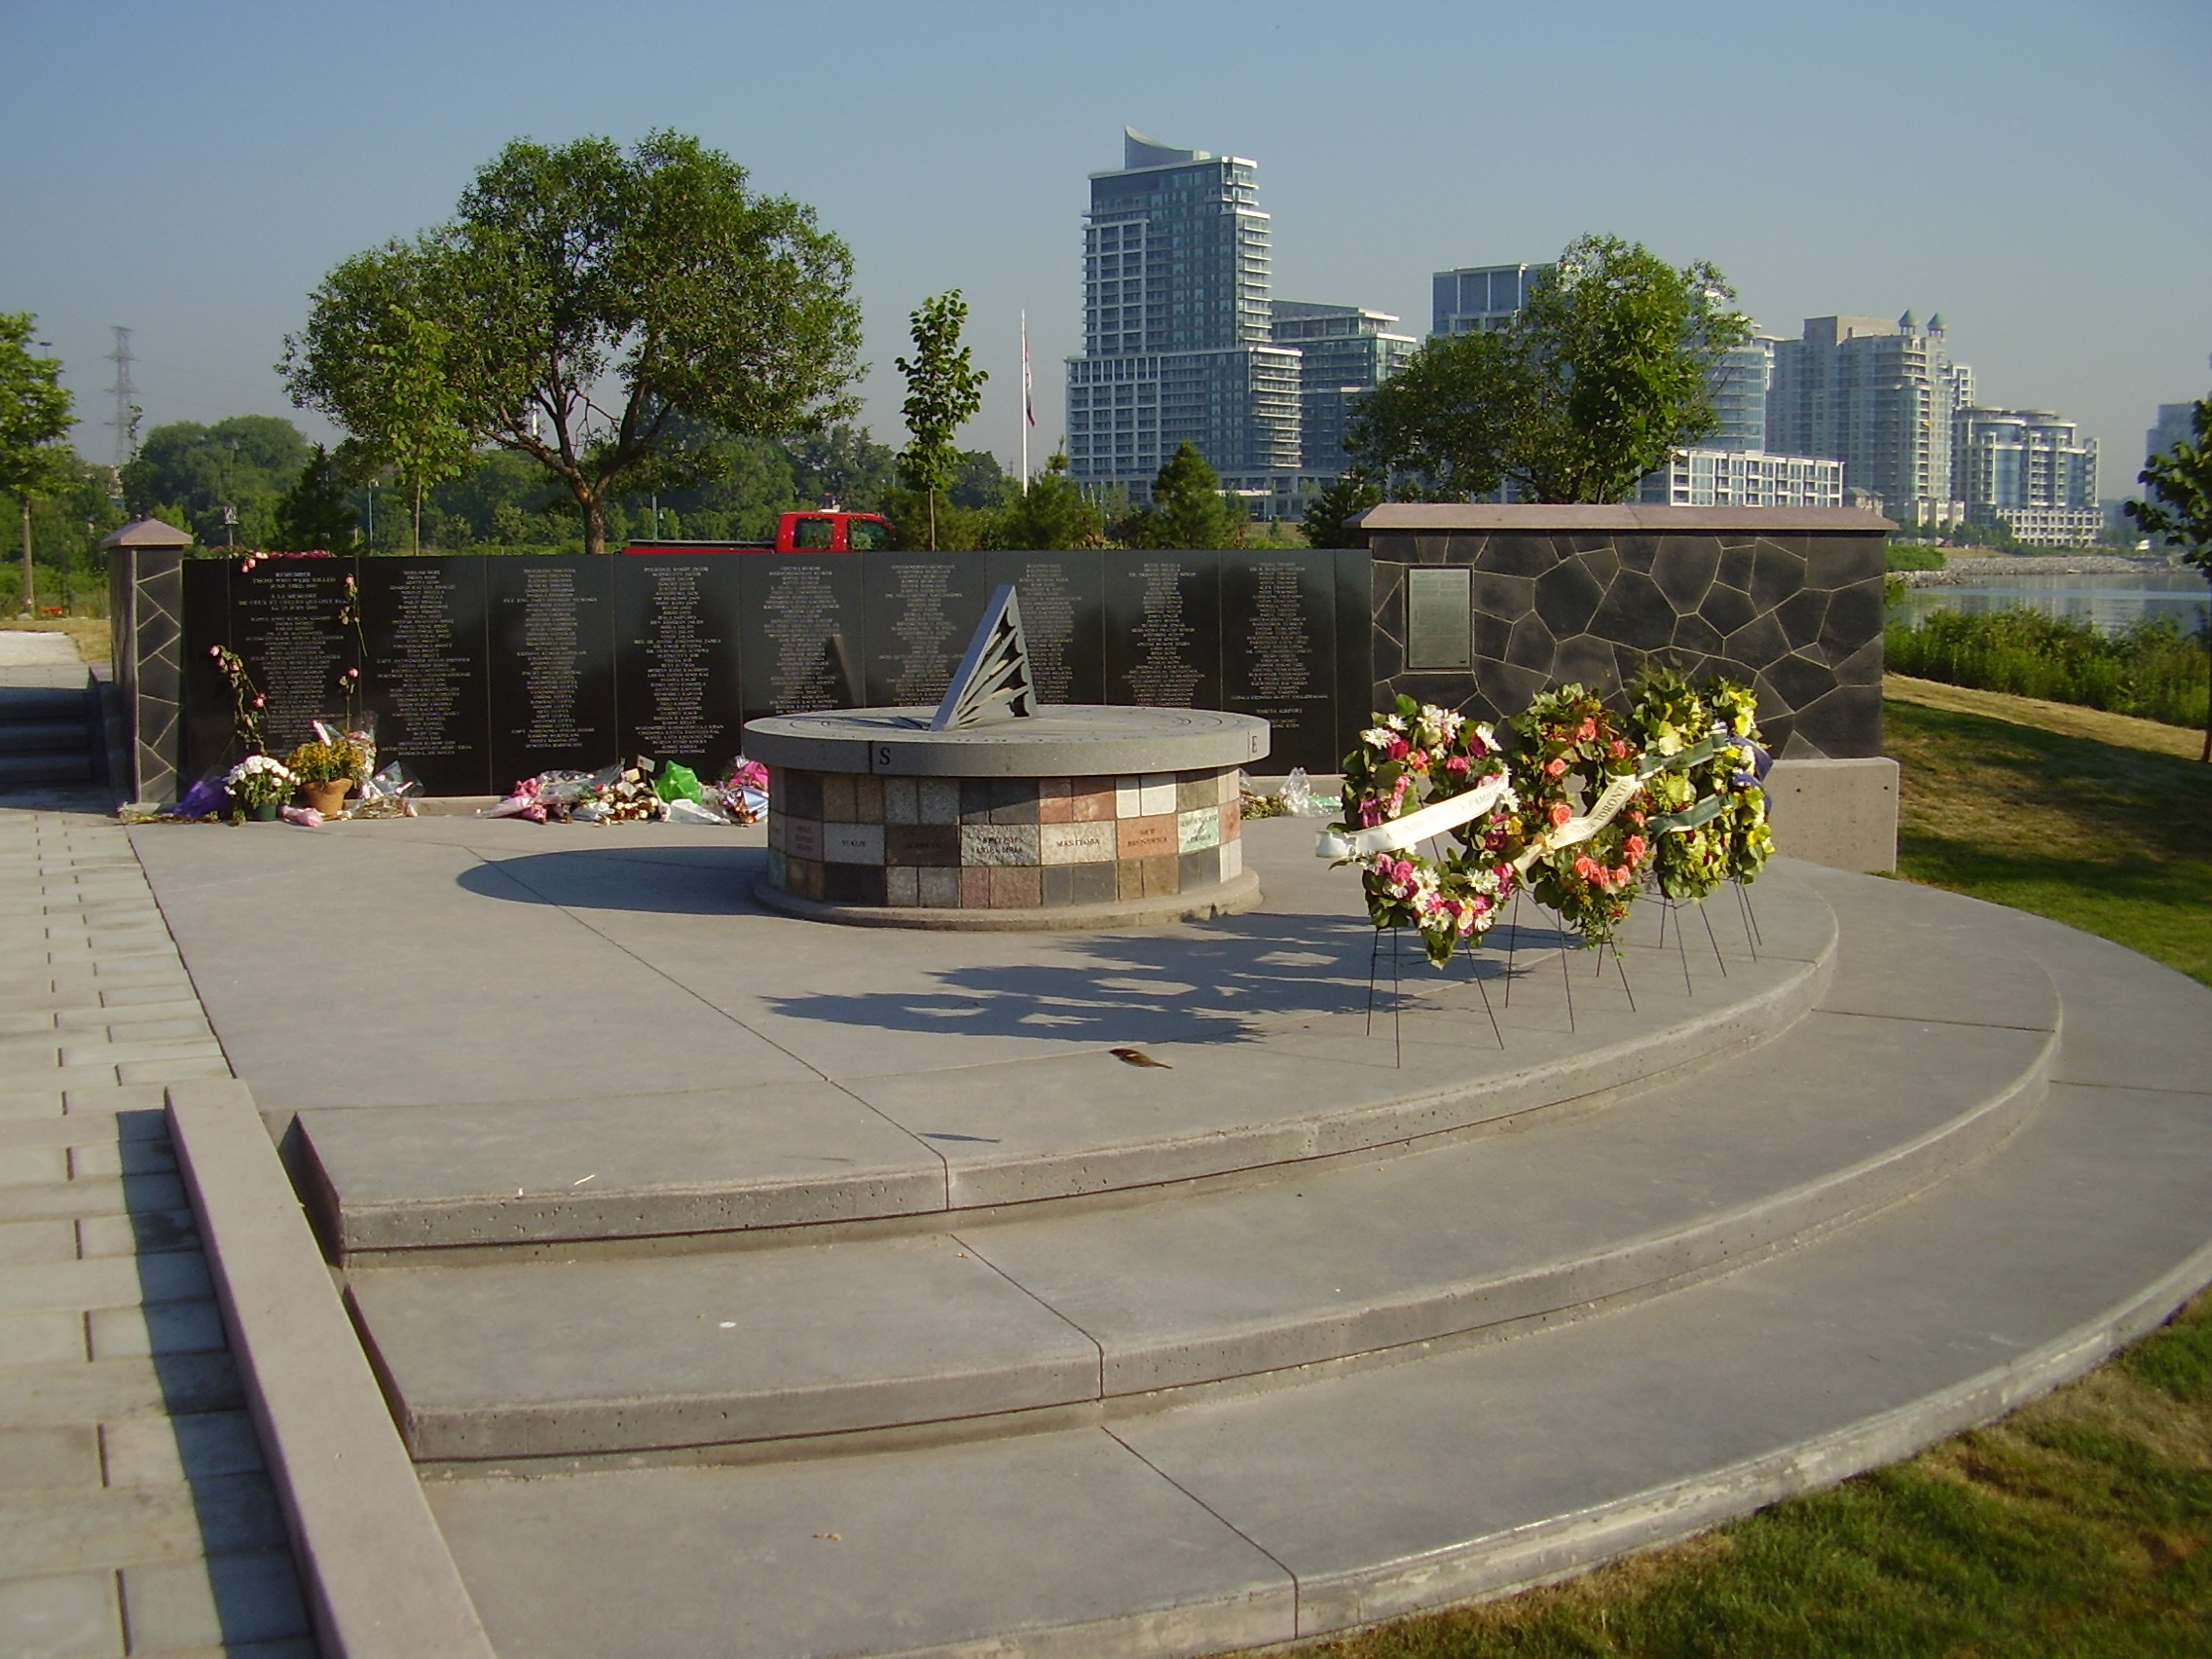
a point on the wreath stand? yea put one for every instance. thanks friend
(1398, 994)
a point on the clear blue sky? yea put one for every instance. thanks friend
(2033, 170)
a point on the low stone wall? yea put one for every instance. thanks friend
(1480, 606)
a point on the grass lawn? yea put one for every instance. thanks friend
(2077, 1527)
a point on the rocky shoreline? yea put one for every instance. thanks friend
(1972, 571)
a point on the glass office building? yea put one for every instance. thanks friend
(1178, 324)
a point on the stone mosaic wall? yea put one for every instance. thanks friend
(1001, 843)
(146, 612)
(1787, 600)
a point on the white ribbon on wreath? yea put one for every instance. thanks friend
(1438, 819)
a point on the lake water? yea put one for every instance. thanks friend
(2111, 602)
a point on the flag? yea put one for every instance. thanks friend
(1028, 402)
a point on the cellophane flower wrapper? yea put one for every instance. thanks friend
(390, 793)
(205, 800)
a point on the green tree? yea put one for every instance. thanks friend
(652, 279)
(944, 391)
(1327, 523)
(1603, 375)
(316, 513)
(410, 411)
(34, 415)
(2181, 480)
(245, 463)
(1188, 508)
(1053, 515)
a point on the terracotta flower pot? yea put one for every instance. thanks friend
(329, 799)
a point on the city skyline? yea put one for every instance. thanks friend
(200, 202)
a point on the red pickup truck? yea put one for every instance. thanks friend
(829, 530)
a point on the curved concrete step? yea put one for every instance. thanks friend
(1100, 1308)
(1285, 1514)
(926, 1144)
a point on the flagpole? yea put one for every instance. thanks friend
(1023, 414)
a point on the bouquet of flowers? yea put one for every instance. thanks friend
(261, 780)
(1583, 810)
(1410, 765)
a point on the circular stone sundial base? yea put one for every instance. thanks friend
(1079, 817)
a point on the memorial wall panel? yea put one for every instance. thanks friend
(210, 717)
(1063, 618)
(1163, 630)
(426, 678)
(919, 610)
(550, 654)
(286, 625)
(803, 642)
(1355, 648)
(678, 683)
(1278, 648)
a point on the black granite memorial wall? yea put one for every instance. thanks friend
(482, 669)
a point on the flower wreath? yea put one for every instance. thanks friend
(1738, 773)
(1572, 744)
(1688, 825)
(1409, 765)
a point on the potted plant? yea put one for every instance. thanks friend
(259, 785)
(327, 771)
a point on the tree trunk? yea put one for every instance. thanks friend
(595, 523)
(931, 494)
(31, 585)
(414, 530)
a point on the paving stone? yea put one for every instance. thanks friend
(164, 1328)
(53, 1240)
(23, 1166)
(43, 1532)
(143, 990)
(133, 1015)
(172, 1071)
(225, 1600)
(105, 1054)
(30, 1102)
(115, 1281)
(140, 1156)
(25, 1024)
(136, 1232)
(145, 1097)
(189, 1447)
(74, 1617)
(96, 1196)
(112, 1390)
(58, 1455)
(41, 1338)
